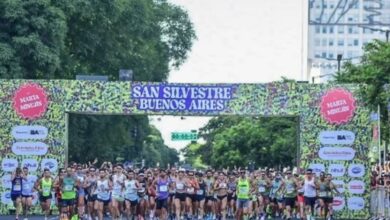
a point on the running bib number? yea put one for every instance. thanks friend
(163, 188)
(180, 186)
(68, 188)
(17, 187)
(46, 191)
(244, 190)
(199, 192)
(322, 194)
(290, 189)
(261, 189)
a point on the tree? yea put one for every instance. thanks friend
(374, 71)
(32, 35)
(237, 141)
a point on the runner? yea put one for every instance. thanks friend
(326, 188)
(90, 185)
(210, 199)
(68, 194)
(162, 185)
(200, 195)
(143, 197)
(27, 192)
(171, 200)
(263, 189)
(220, 187)
(80, 176)
(309, 187)
(44, 187)
(131, 196)
(290, 193)
(118, 179)
(16, 190)
(231, 199)
(104, 186)
(276, 198)
(151, 194)
(191, 186)
(180, 196)
(243, 188)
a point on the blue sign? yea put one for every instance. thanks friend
(181, 97)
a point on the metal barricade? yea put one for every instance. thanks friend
(379, 203)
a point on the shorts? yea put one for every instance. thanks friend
(171, 195)
(199, 198)
(290, 202)
(242, 203)
(81, 192)
(27, 196)
(230, 197)
(276, 200)
(44, 198)
(162, 203)
(92, 198)
(16, 196)
(67, 202)
(105, 202)
(327, 199)
(210, 198)
(301, 199)
(180, 196)
(191, 196)
(132, 203)
(221, 197)
(310, 201)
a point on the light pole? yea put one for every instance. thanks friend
(339, 58)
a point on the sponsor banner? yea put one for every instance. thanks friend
(317, 168)
(355, 203)
(6, 181)
(356, 170)
(30, 101)
(336, 153)
(339, 184)
(31, 164)
(336, 170)
(337, 137)
(49, 163)
(337, 106)
(9, 164)
(181, 97)
(6, 198)
(29, 148)
(29, 132)
(338, 203)
(356, 187)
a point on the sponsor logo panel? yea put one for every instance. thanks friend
(356, 170)
(29, 148)
(355, 203)
(29, 132)
(336, 137)
(9, 165)
(336, 153)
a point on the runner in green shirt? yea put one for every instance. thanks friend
(243, 196)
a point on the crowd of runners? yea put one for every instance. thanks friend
(88, 192)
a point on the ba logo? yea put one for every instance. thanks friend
(49, 165)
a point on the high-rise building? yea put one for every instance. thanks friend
(338, 30)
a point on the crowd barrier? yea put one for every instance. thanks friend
(379, 202)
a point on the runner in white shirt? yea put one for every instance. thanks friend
(310, 193)
(118, 179)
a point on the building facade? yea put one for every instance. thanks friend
(338, 31)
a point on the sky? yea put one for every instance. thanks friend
(238, 41)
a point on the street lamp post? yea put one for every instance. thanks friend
(339, 58)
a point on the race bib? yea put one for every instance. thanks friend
(290, 189)
(163, 188)
(68, 188)
(190, 190)
(261, 189)
(17, 187)
(180, 186)
(322, 194)
(244, 190)
(46, 191)
(199, 192)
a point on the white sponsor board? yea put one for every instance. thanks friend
(356, 170)
(339, 184)
(29, 148)
(31, 164)
(317, 168)
(6, 181)
(356, 187)
(336, 170)
(336, 137)
(355, 203)
(336, 153)
(49, 163)
(338, 203)
(6, 198)
(9, 164)
(36, 132)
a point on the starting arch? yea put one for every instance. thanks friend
(335, 129)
